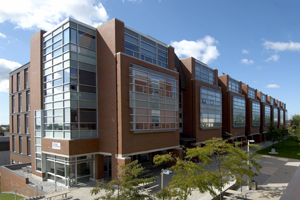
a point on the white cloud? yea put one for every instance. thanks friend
(282, 46)
(272, 86)
(244, 51)
(6, 66)
(247, 62)
(28, 14)
(2, 35)
(259, 67)
(202, 49)
(274, 57)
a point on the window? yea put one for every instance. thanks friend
(13, 103)
(26, 78)
(286, 117)
(281, 117)
(233, 85)
(251, 93)
(18, 82)
(239, 112)
(26, 124)
(204, 73)
(255, 113)
(275, 116)
(271, 101)
(153, 100)
(20, 102)
(28, 146)
(13, 144)
(20, 145)
(210, 108)
(12, 84)
(19, 124)
(28, 100)
(267, 115)
(263, 98)
(145, 48)
(278, 103)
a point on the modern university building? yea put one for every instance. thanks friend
(92, 99)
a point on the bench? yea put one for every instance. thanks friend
(68, 197)
(147, 175)
(63, 194)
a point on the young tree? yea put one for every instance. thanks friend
(273, 134)
(295, 121)
(125, 186)
(232, 162)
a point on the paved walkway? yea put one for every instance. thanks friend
(275, 175)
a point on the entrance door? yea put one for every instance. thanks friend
(107, 167)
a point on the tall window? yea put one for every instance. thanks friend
(13, 103)
(20, 145)
(210, 108)
(255, 113)
(153, 100)
(20, 102)
(26, 78)
(286, 117)
(233, 85)
(278, 103)
(239, 112)
(12, 84)
(267, 115)
(263, 98)
(28, 100)
(251, 93)
(19, 124)
(275, 116)
(271, 101)
(18, 82)
(281, 117)
(145, 48)
(13, 144)
(204, 73)
(26, 124)
(28, 146)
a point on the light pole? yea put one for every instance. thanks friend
(248, 159)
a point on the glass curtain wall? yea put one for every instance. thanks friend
(70, 110)
(255, 113)
(239, 112)
(281, 117)
(153, 100)
(145, 48)
(233, 85)
(204, 73)
(210, 108)
(275, 116)
(267, 115)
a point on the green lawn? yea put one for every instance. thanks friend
(291, 149)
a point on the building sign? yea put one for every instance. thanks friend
(56, 145)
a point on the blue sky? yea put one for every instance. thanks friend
(257, 42)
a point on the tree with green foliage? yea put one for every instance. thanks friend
(273, 134)
(126, 185)
(295, 121)
(232, 163)
(4, 128)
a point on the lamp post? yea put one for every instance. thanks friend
(248, 159)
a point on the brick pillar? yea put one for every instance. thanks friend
(177, 153)
(258, 138)
(116, 165)
(99, 162)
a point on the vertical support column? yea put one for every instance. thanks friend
(99, 166)
(176, 152)
(116, 165)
